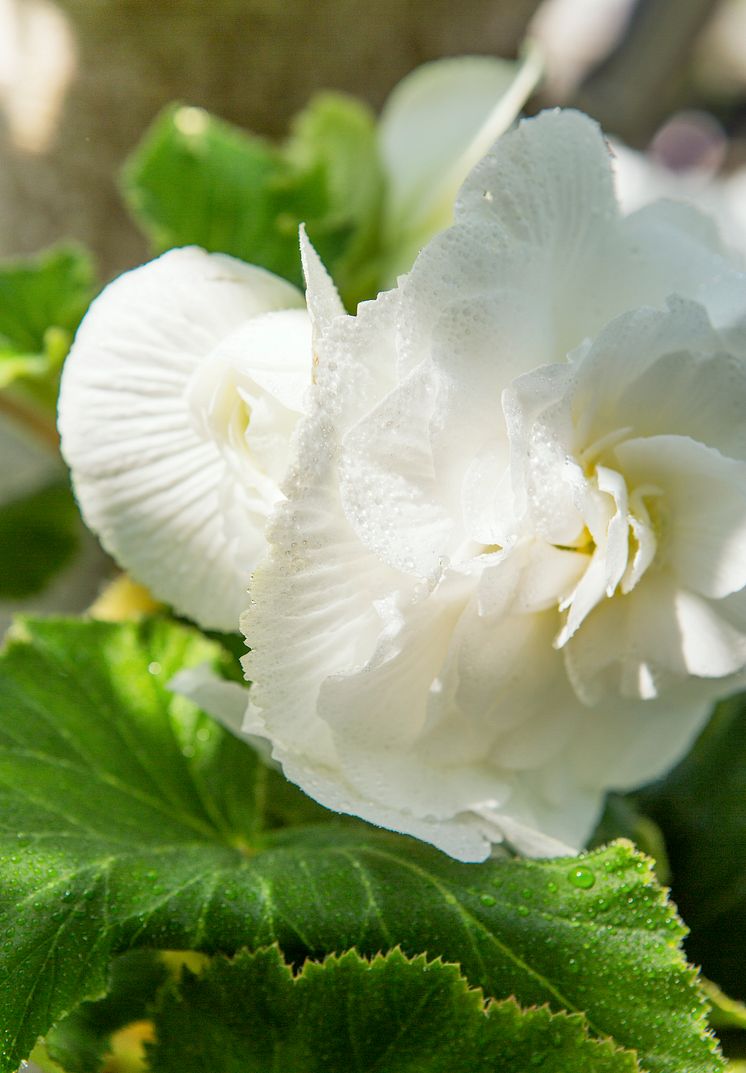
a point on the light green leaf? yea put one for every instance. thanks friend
(335, 136)
(39, 534)
(349, 1015)
(195, 179)
(127, 819)
(701, 809)
(42, 300)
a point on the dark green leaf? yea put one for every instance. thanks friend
(128, 819)
(348, 1015)
(701, 809)
(39, 534)
(81, 1040)
(42, 301)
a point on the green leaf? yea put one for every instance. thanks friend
(82, 1039)
(349, 1015)
(622, 819)
(39, 534)
(195, 179)
(42, 300)
(336, 137)
(128, 819)
(701, 809)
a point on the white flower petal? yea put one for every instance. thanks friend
(225, 701)
(702, 506)
(650, 641)
(324, 303)
(626, 743)
(388, 484)
(318, 570)
(273, 350)
(151, 484)
(532, 221)
(655, 372)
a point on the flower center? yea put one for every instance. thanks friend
(219, 410)
(621, 535)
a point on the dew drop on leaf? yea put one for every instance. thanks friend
(487, 899)
(582, 877)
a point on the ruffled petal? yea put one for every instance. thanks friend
(702, 509)
(643, 645)
(652, 372)
(388, 484)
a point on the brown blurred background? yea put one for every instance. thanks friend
(81, 79)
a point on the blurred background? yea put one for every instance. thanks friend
(80, 80)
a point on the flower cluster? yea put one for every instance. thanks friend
(507, 570)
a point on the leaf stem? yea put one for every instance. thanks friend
(21, 413)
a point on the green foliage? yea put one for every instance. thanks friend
(701, 808)
(349, 1015)
(128, 819)
(195, 179)
(39, 534)
(80, 1041)
(42, 301)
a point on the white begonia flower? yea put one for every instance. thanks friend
(186, 378)
(508, 575)
(177, 403)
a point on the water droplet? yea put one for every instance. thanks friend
(552, 887)
(581, 877)
(572, 966)
(154, 667)
(487, 899)
(527, 894)
(523, 910)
